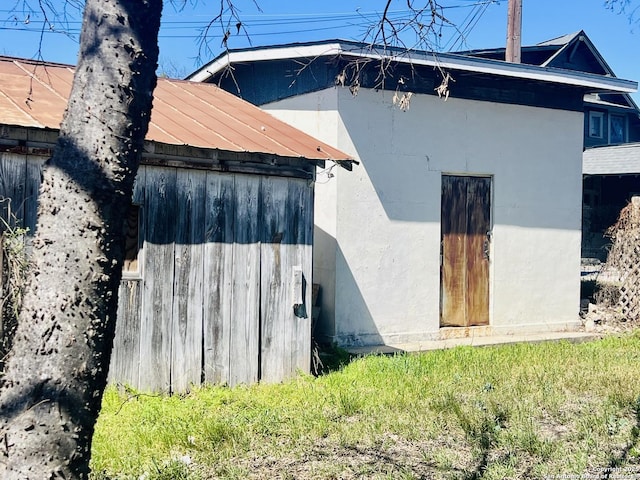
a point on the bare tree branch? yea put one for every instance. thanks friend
(228, 20)
(418, 26)
(630, 8)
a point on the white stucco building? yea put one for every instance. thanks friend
(464, 216)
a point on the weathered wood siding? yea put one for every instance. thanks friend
(20, 177)
(284, 250)
(216, 299)
(218, 268)
(128, 327)
(19, 182)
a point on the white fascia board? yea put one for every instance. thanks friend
(595, 101)
(296, 51)
(596, 83)
(528, 72)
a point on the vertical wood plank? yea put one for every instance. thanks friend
(276, 250)
(3, 327)
(245, 332)
(453, 268)
(33, 180)
(12, 189)
(157, 296)
(479, 223)
(186, 331)
(125, 357)
(286, 245)
(218, 275)
(303, 198)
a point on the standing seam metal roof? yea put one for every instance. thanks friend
(34, 94)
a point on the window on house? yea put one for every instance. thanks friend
(617, 129)
(132, 261)
(596, 124)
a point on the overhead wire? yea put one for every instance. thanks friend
(258, 22)
(469, 25)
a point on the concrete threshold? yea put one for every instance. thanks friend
(483, 341)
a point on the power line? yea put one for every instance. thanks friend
(273, 19)
(257, 23)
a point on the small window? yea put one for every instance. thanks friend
(132, 261)
(596, 124)
(617, 129)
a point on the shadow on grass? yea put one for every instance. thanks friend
(626, 458)
(327, 358)
(485, 437)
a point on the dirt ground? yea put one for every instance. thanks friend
(394, 458)
(397, 458)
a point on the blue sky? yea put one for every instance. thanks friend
(283, 21)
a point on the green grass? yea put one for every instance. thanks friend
(518, 411)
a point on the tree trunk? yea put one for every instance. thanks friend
(51, 391)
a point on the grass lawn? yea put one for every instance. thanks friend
(516, 411)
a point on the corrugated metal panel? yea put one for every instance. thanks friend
(612, 160)
(34, 94)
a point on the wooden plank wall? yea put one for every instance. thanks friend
(285, 246)
(215, 299)
(125, 361)
(301, 211)
(158, 279)
(218, 267)
(245, 280)
(19, 182)
(12, 189)
(186, 334)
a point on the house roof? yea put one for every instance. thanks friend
(559, 41)
(612, 160)
(574, 51)
(34, 94)
(452, 61)
(549, 52)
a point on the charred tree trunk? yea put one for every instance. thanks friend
(52, 388)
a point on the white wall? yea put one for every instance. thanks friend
(317, 114)
(385, 214)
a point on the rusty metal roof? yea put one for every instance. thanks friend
(34, 94)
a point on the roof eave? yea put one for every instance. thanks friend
(223, 61)
(589, 82)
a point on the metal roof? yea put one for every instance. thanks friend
(612, 160)
(34, 94)
(561, 40)
(589, 82)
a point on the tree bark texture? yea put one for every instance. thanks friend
(52, 387)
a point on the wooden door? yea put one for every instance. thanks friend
(466, 226)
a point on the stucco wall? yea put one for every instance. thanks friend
(385, 214)
(318, 113)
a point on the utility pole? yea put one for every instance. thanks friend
(514, 31)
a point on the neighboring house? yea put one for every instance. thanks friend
(217, 278)
(611, 176)
(463, 218)
(611, 179)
